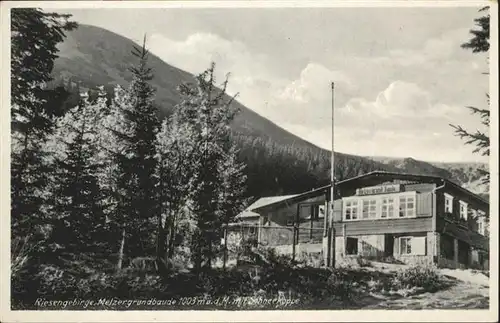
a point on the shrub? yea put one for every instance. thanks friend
(363, 262)
(311, 259)
(341, 286)
(418, 276)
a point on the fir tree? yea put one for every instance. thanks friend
(79, 223)
(134, 124)
(206, 114)
(34, 36)
(479, 43)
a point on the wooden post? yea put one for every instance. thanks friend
(224, 253)
(332, 173)
(344, 232)
(293, 240)
(120, 252)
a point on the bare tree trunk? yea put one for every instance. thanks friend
(224, 254)
(159, 239)
(120, 253)
(173, 229)
(210, 249)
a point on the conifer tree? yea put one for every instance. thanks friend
(79, 221)
(134, 124)
(206, 114)
(34, 35)
(479, 43)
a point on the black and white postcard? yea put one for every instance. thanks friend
(249, 161)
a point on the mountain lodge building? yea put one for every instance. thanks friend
(413, 219)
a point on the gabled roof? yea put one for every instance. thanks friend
(263, 201)
(365, 177)
(247, 214)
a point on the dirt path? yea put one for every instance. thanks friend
(462, 295)
(467, 290)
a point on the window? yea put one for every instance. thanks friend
(380, 206)
(405, 246)
(289, 222)
(369, 209)
(305, 211)
(406, 206)
(321, 211)
(463, 210)
(351, 210)
(351, 246)
(312, 211)
(448, 203)
(413, 245)
(265, 221)
(387, 207)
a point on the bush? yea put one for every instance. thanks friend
(418, 276)
(341, 286)
(362, 262)
(310, 259)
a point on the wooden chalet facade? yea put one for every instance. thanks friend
(413, 219)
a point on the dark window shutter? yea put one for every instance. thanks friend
(424, 204)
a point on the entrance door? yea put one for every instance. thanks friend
(389, 245)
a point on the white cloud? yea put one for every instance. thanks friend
(249, 72)
(313, 84)
(400, 100)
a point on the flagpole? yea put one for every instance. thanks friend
(333, 154)
(332, 180)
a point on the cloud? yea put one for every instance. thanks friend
(438, 49)
(314, 84)
(399, 99)
(250, 74)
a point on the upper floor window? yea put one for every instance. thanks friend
(383, 206)
(388, 207)
(480, 226)
(406, 206)
(448, 203)
(481, 222)
(351, 210)
(463, 210)
(369, 209)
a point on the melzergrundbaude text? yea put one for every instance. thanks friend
(205, 301)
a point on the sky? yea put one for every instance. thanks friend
(400, 75)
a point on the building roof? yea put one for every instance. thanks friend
(247, 214)
(363, 178)
(263, 201)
